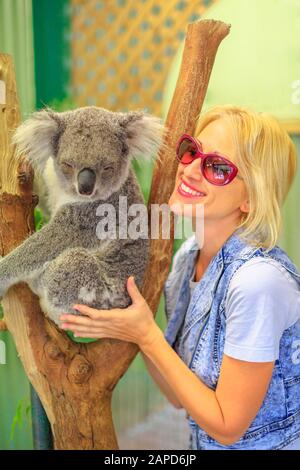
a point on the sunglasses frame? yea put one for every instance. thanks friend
(200, 154)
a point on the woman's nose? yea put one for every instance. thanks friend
(193, 170)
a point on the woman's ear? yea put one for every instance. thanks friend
(245, 206)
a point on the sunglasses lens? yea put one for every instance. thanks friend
(216, 170)
(186, 152)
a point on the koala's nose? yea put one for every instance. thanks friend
(86, 181)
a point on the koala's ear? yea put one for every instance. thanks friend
(37, 137)
(144, 133)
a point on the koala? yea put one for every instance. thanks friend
(84, 157)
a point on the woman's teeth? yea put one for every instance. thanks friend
(186, 191)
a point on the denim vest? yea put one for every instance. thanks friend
(201, 320)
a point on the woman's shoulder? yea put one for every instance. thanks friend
(263, 300)
(264, 283)
(264, 269)
(259, 272)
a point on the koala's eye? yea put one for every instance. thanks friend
(108, 168)
(67, 165)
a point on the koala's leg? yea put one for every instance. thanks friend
(73, 277)
(119, 260)
(27, 261)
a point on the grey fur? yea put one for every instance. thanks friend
(65, 262)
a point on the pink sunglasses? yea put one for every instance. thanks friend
(215, 168)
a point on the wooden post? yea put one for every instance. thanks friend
(201, 45)
(75, 381)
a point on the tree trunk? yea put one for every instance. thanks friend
(201, 45)
(74, 380)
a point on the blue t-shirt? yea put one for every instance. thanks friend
(263, 300)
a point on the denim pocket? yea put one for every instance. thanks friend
(292, 390)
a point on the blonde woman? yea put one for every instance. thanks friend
(230, 355)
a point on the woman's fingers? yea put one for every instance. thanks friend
(90, 335)
(133, 290)
(97, 314)
(97, 332)
(78, 320)
(82, 329)
(92, 312)
(101, 336)
(96, 328)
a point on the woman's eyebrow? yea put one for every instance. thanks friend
(214, 151)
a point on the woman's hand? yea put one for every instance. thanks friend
(135, 323)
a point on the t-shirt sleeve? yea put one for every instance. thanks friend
(263, 300)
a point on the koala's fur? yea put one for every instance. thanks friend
(65, 262)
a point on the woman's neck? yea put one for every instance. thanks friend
(212, 238)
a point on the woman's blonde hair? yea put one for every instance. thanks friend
(267, 161)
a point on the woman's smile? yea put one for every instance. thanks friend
(184, 189)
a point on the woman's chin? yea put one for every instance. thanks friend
(185, 206)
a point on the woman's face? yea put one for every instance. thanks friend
(219, 202)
